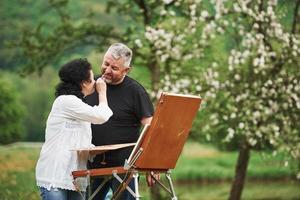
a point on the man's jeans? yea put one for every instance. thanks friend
(60, 194)
(113, 184)
(112, 159)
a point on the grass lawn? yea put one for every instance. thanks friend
(200, 162)
(202, 173)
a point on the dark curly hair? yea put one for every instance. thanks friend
(71, 76)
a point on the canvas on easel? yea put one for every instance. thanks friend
(168, 131)
(160, 144)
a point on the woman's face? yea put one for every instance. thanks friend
(88, 87)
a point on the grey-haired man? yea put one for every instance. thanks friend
(131, 106)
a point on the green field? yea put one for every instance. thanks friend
(202, 173)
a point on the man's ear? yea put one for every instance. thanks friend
(127, 70)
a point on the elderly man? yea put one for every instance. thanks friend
(131, 106)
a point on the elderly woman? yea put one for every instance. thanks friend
(69, 127)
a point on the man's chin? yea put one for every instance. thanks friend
(106, 78)
(108, 81)
(111, 81)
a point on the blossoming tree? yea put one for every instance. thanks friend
(256, 99)
(262, 90)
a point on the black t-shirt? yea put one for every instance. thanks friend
(129, 102)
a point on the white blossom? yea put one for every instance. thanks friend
(167, 1)
(138, 42)
(230, 134)
(204, 14)
(252, 141)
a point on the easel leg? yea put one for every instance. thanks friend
(123, 185)
(168, 176)
(136, 185)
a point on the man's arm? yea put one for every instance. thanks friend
(146, 120)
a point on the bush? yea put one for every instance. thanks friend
(11, 113)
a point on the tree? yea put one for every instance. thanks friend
(64, 38)
(11, 114)
(255, 95)
(259, 102)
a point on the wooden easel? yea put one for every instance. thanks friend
(158, 147)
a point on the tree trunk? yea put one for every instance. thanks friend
(240, 173)
(155, 77)
(155, 192)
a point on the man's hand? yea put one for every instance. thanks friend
(150, 180)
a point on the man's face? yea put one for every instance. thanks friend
(113, 71)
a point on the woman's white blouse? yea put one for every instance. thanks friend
(68, 127)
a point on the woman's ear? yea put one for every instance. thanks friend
(83, 84)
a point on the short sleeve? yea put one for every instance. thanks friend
(142, 104)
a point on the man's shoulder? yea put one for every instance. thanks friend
(134, 84)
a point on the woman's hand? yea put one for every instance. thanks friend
(101, 89)
(100, 86)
